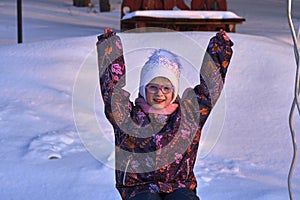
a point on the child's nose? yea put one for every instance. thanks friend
(159, 92)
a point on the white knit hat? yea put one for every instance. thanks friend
(162, 63)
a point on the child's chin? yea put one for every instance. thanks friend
(158, 107)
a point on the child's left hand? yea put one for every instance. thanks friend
(224, 35)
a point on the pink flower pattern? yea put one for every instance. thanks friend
(116, 78)
(119, 44)
(185, 134)
(116, 68)
(178, 157)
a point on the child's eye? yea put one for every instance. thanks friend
(166, 89)
(153, 88)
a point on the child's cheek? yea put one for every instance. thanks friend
(149, 98)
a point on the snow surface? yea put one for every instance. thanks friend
(50, 106)
(182, 14)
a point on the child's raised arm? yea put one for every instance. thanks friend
(112, 76)
(219, 49)
(110, 63)
(212, 76)
(215, 65)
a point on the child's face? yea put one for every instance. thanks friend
(159, 92)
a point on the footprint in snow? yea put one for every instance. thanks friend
(54, 145)
(206, 171)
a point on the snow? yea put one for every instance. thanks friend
(56, 144)
(182, 14)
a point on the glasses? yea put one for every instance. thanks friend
(154, 88)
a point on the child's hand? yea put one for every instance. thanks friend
(108, 32)
(223, 34)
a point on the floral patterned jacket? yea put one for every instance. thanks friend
(157, 152)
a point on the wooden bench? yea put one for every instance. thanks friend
(134, 5)
(181, 20)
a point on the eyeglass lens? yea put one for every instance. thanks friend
(153, 88)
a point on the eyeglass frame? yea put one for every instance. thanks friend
(159, 87)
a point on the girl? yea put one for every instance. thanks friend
(157, 137)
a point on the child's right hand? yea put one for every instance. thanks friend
(108, 32)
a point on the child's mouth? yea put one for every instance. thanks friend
(158, 101)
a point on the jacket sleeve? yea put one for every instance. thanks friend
(212, 74)
(111, 67)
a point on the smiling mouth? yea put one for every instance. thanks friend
(158, 101)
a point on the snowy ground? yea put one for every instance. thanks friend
(43, 156)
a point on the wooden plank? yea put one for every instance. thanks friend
(202, 21)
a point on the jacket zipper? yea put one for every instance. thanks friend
(126, 168)
(188, 169)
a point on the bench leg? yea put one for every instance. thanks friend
(232, 28)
